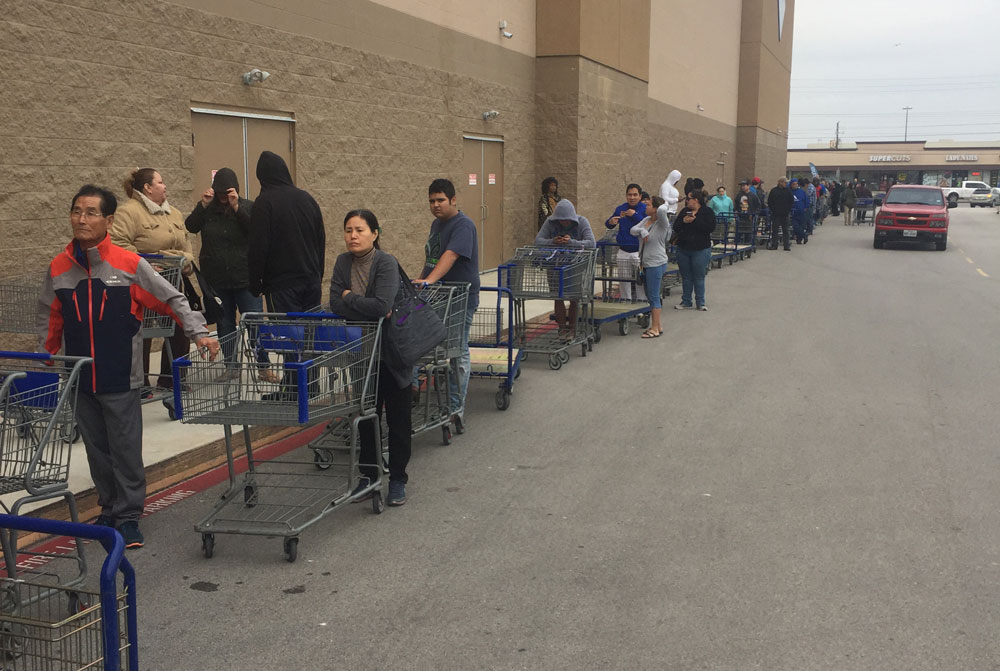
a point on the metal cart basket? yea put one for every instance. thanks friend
(19, 302)
(329, 374)
(553, 274)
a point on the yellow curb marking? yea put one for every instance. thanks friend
(980, 271)
(969, 260)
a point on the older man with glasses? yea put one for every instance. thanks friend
(91, 304)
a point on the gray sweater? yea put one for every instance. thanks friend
(655, 238)
(581, 235)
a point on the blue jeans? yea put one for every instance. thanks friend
(233, 299)
(693, 266)
(462, 366)
(654, 278)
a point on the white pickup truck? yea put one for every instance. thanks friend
(953, 194)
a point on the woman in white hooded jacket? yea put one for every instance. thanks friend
(669, 193)
(655, 235)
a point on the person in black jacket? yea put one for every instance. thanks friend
(693, 238)
(287, 241)
(363, 287)
(222, 218)
(779, 202)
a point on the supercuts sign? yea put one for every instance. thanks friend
(889, 158)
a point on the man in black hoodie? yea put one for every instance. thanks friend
(287, 241)
(779, 202)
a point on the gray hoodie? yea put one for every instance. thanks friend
(655, 237)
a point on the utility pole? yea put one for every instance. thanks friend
(906, 127)
(836, 142)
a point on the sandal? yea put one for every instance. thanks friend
(268, 375)
(650, 334)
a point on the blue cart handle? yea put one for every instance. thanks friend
(115, 546)
(30, 356)
(312, 315)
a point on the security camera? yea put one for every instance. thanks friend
(255, 75)
(503, 30)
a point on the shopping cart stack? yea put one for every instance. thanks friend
(492, 349)
(545, 273)
(37, 429)
(327, 372)
(449, 301)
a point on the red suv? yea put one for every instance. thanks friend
(912, 213)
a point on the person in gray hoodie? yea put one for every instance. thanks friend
(655, 235)
(566, 228)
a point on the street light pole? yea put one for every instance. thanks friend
(906, 127)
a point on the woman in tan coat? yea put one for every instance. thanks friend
(146, 223)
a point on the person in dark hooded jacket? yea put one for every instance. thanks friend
(223, 220)
(287, 241)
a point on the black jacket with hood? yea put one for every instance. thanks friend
(287, 238)
(225, 235)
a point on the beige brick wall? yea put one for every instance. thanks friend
(101, 88)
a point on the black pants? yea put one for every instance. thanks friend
(179, 346)
(397, 404)
(779, 222)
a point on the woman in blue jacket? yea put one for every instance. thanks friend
(800, 207)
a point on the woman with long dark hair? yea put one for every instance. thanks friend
(547, 202)
(693, 234)
(363, 287)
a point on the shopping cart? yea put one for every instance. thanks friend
(610, 272)
(449, 301)
(66, 629)
(545, 273)
(19, 302)
(37, 401)
(328, 373)
(491, 343)
(156, 325)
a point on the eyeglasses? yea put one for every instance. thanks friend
(77, 213)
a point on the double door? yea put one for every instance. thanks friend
(480, 195)
(231, 139)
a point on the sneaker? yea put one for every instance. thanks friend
(681, 306)
(703, 308)
(130, 532)
(356, 495)
(104, 521)
(397, 493)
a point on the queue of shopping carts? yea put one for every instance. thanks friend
(329, 371)
(556, 274)
(48, 618)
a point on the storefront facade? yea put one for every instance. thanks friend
(881, 164)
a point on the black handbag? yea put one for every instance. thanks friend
(208, 303)
(412, 329)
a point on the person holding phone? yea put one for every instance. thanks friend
(625, 217)
(693, 234)
(565, 228)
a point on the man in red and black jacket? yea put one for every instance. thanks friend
(92, 303)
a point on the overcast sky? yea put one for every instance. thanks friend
(861, 61)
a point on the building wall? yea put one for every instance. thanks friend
(372, 130)
(694, 57)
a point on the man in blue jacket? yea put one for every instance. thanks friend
(626, 216)
(800, 209)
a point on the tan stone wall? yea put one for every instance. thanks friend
(372, 131)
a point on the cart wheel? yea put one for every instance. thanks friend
(76, 604)
(583, 347)
(250, 496)
(378, 503)
(208, 545)
(643, 321)
(517, 373)
(555, 363)
(291, 549)
(322, 459)
(503, 399)
(524, 356)
(169, 405)
(623, 327)
(459, 425)
(446, 435)
(597, 333)
(563, 355)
